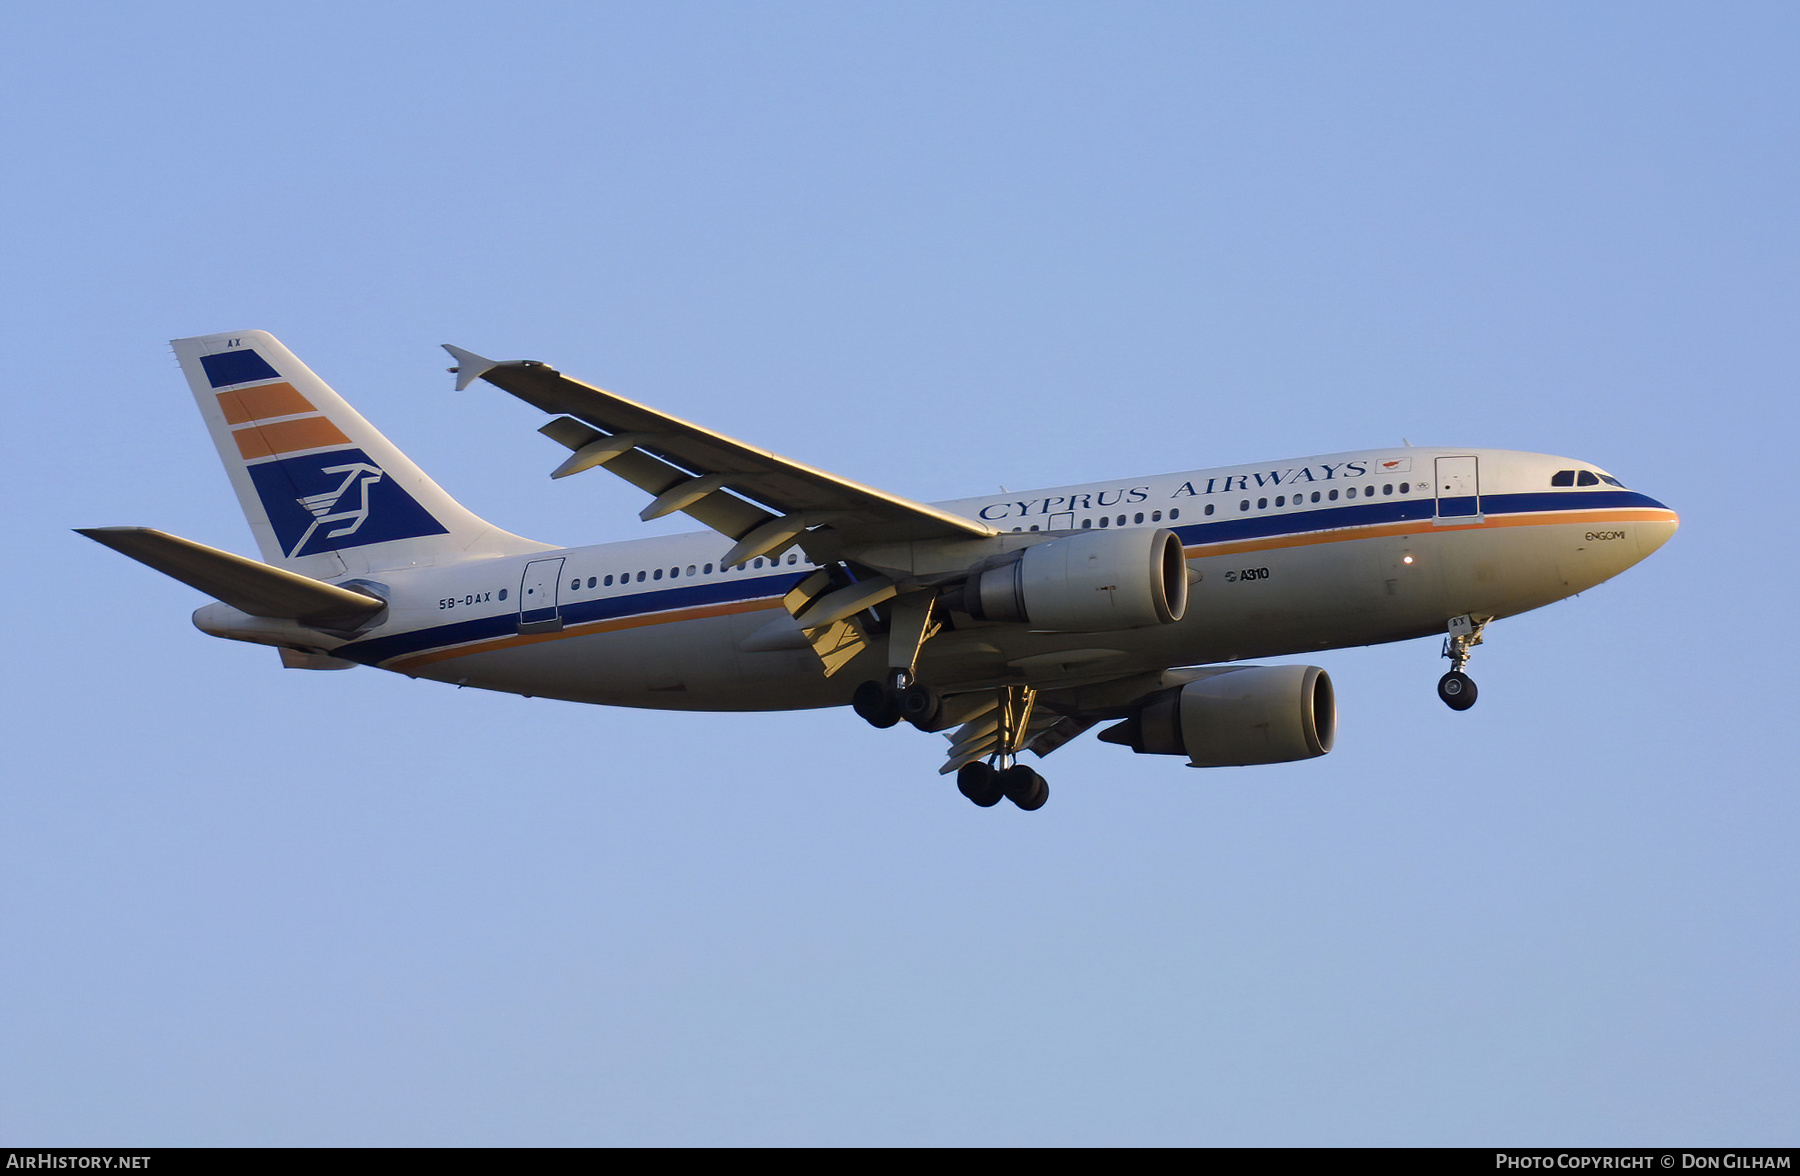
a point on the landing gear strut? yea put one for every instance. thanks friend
(1456, 688)
(985, 781)
(900, 695)
(990, 739)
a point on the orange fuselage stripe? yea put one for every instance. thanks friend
(1429, 527)
(698, 612)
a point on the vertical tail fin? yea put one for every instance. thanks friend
(326, 494)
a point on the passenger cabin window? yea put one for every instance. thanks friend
(1176, 513)
(1208, 510)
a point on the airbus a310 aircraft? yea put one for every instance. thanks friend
(1010, 623)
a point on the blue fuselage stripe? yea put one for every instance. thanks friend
(746, 587)
(574, 612)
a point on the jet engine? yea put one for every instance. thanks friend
(1247, 715)
(1091, 582)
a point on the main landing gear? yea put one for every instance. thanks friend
(882, 704)
(985, 784)
(900, 695)
(992, 734)
(1001, 733)
(989, 740)
(1456, 688)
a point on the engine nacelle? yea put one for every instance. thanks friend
(1250, 715)
(1087, 583)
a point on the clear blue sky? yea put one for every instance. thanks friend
(936, 248)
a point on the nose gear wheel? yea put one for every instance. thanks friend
(1457, 689)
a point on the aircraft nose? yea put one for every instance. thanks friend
(1653, 533)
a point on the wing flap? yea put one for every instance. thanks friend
(725, 513)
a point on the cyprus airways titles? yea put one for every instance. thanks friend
(1008, 624)
(1216, 483)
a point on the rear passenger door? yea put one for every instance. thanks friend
(537, 596)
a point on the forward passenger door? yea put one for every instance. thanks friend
(1458, 487)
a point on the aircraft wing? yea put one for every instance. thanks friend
(757, 497)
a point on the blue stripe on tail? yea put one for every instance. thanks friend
(236, 367)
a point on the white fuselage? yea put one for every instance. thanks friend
(1291, 557)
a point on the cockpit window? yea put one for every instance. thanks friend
(1612, 481)
(1586, 478)
(1563, 478)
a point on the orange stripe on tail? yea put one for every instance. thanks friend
(288, 437)
(262, 402)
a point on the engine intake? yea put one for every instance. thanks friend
(1247, 715)
(1091, 582)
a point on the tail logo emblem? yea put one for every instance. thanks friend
(323, 507)
(337, 499)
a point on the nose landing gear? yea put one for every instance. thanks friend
(1456, 688)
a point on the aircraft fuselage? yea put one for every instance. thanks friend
(1286, 558)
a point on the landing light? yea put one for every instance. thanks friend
(1408, 559)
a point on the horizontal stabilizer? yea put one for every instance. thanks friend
(244, 584)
